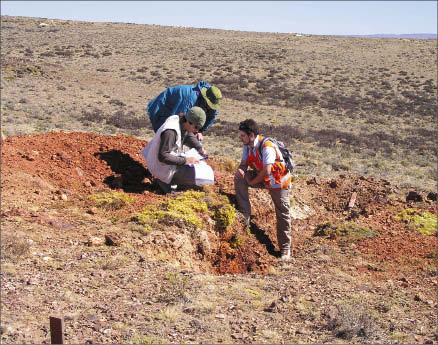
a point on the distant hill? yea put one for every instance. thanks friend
(412, 36)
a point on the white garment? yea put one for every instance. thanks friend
(162, 171)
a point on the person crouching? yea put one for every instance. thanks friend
(163, 154)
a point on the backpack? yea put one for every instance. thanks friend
(287, 155)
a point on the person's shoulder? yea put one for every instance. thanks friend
(168, 132)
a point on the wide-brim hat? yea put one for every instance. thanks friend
(212, 96)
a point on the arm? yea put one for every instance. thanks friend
(260, 176)
(241, 169)
(192, 141)
(167, 143)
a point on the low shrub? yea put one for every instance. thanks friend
(111, 200)
(425, 223)
(348, 231)
(351, 320)
(14, 248)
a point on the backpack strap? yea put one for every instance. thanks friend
(262, 143)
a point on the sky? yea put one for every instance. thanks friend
(306, 17)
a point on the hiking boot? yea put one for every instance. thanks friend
(285, 256)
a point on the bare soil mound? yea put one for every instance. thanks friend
(41, 168)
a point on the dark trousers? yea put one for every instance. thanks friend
(184, 176)
(281, 200)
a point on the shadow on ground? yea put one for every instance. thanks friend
(132, 174)
(264, 239)
(254, 229)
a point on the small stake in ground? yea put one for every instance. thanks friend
(352, 200)
(56, 330)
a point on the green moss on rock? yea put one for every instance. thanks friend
(111, 200)
(185, 208)
(425, 223)
(171, 211)
(348, 230)
(224, 216)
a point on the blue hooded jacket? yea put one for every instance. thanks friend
(178, 99)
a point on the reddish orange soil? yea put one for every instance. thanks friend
(78, 164)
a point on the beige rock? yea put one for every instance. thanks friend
(95, 241)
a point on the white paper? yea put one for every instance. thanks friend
(203, 172)
(192, 153)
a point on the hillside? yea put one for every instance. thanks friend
(344, 105)
(79, 235)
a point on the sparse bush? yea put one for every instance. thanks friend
(145, 339)
(348, 231)
(120, 119)
(14, 248)
(96, 115)
(352, 320)
(8, 269)
(116, 102)
(111, 262)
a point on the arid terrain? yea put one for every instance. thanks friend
(87, 236)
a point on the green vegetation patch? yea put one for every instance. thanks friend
(111, 200)
(348, 230)
(222, 212)
(184, 210)
(172, 211)
(145, 339)
(174, 288)
(425, 223)
(224, 216)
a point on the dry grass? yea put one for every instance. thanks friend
(14, 248)
(359, 105)
(352, 320)
(353, 105)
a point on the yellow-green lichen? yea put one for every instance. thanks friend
(425, 223)
(185, 208)
(222, 212)
(111, 200)
(224, 216)
(172, 211)
(347, 230)
(236, 241)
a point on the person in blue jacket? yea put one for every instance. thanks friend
(180, 99)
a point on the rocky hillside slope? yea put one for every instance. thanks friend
(86, 235)
(73, 245)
